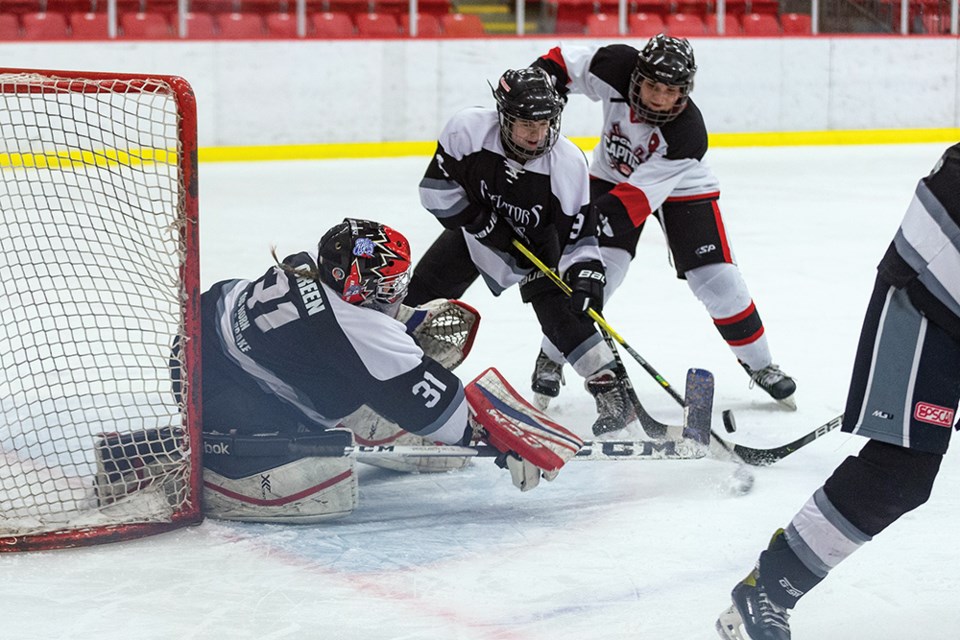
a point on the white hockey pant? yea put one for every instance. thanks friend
(722, 290)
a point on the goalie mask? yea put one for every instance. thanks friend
(529, 108)
(664, 61)
(366, 263)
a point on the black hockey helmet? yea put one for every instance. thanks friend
(668, 61)
(366, 263)
(527, 95)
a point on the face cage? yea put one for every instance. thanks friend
(391, 290)
(520, 153)
(651, 116)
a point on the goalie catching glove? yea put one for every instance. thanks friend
(531, 444)
(444, 329)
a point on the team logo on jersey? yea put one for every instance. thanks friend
(620, 154)
(520, 216)
(363, 248)
(932, 414)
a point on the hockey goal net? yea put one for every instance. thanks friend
(99, 308)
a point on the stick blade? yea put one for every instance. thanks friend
(699, 398)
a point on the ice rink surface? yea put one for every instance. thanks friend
(609, 551)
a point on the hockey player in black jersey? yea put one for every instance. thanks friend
(903, 396)
(312, 348)
(507, 173)
(650, 161)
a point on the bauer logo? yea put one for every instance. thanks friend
(932, 414)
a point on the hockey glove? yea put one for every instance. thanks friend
(586, 280)
(491, 230)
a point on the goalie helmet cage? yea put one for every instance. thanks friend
(99, 308)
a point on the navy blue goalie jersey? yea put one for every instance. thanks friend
(289, 342)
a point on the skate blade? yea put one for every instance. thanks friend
(729, 624)
(789, 403)
(541, 401)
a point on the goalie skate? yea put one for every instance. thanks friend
(132, 464)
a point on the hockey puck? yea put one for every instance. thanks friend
(728, 422)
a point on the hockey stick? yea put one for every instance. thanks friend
(596, 317)
(651, 426)
(765, 457)
(607, 450)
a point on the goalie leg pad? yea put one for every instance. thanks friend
(372, 429)
(265, 479)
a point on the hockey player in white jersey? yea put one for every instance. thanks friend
(311, 347)
(903, 395)
(504, 174)
(650, 161)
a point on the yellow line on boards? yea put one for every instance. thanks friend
(400, 149)
(71, 158)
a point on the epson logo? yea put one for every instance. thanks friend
(217, 448)
(932, 414)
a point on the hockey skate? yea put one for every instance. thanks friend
(775, 382)
(752, 616)
(546, 381)
(614, 408)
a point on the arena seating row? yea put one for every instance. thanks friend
(264, 7)
(205, 26)
(691, 25)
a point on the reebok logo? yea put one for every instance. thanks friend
(217, 448)
(932, 414)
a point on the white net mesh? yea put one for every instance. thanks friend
(92, 200)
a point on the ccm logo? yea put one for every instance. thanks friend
(933, 414)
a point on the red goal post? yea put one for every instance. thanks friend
(99, 308)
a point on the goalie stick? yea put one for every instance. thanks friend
(593, 450)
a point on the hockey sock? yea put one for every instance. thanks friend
(783, 575)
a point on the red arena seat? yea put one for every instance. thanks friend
(9, 27)
(240, 26)
(796, 24)
(462, 25)
(145, 26)
(281, 25)
(89, 26)
(731, 25)
(571, 15)
(200, 26)
(603, 25)
(760, 24)
(645, 24)
(332, 24)
(684, 25)
(428, 25)
(377, 25)
(44, 26)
